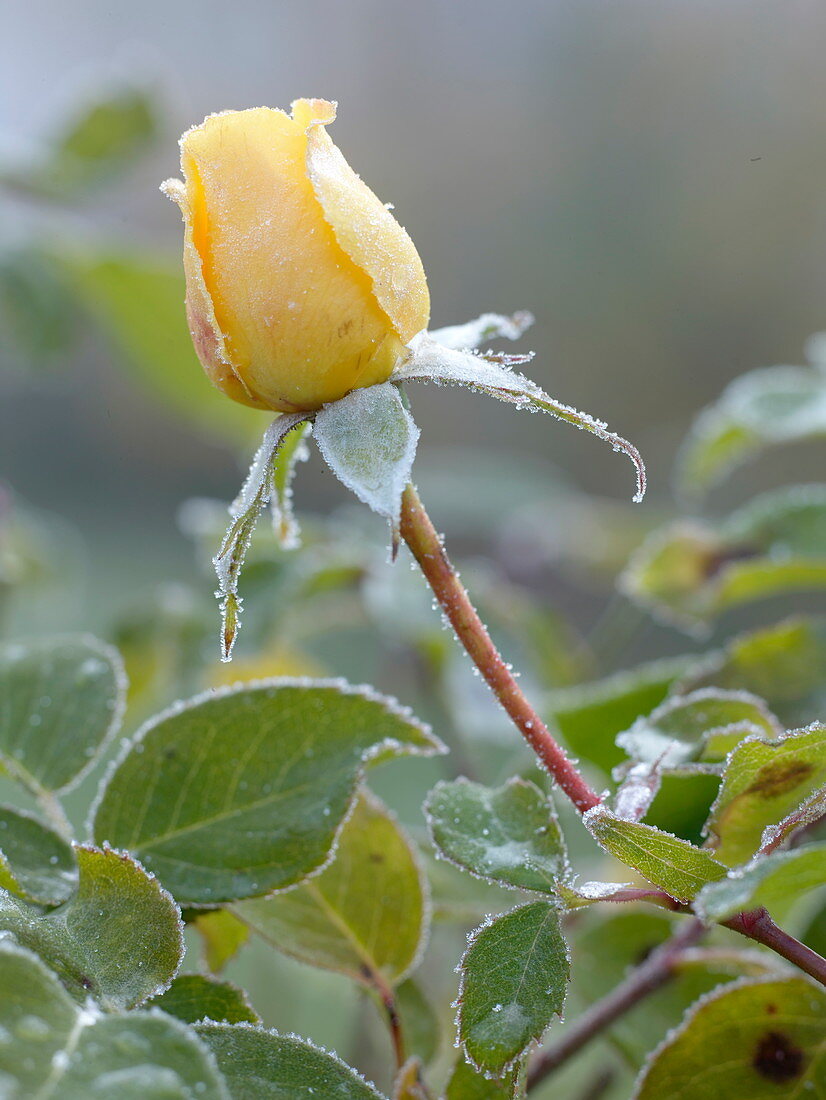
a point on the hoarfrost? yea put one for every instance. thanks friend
(244, 512)
(431, 361)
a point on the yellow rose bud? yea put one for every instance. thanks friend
(301, 286)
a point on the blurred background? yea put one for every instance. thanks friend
(646, 178)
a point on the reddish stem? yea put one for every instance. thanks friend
(759, 926)
(426, 546)
(648, 977)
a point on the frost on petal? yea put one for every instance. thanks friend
(433, 362)
(370, 235)
(300, 322)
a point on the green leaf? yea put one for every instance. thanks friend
(243, 791)
(38, 314)
(758, 410)
(140, 1056)
(810, 810)
(60, 1051)
(223, 935)
(103, 138)
(668, 861)
(420, 1024)
(138, 298)
(119, 939)
(261, 1065)
(683, 800)
(785, 664)
(37, 1017)
(514, 976)
(508, 834)
(689, 573)
(702, 725)
(244, 512)
(193, 997)
(162, 638)
(35, 863)
(761, 1040)
(365, 915)
(291, 451)
(368, 439)
(589, 716)
(766, 882)
(814, 934)
(467, 1083)
(63, 699)
(763, 782)
(491, 374)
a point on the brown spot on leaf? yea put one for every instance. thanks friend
(376, 857)
(777, 1058)
(779, 777)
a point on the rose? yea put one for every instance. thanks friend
(301, 286)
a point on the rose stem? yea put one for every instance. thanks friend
(759, 926)
(423, 540)
(420, 535)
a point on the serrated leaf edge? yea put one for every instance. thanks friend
(460, 968)
(165, 895)
(440, 854)
(787, 735)
(291, 1037)
(436, 747)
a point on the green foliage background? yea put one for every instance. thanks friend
(109, 431)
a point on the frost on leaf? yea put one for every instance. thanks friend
(667, 861)
(490, 326)
(509, 835)
(435, 362)
(638, 790)
(368, 439)
(293, 449)
(766, 784)
(762, 409)
(697, 730)
(767, 881)
(514, 977)
(689, 572)
(263, 479)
